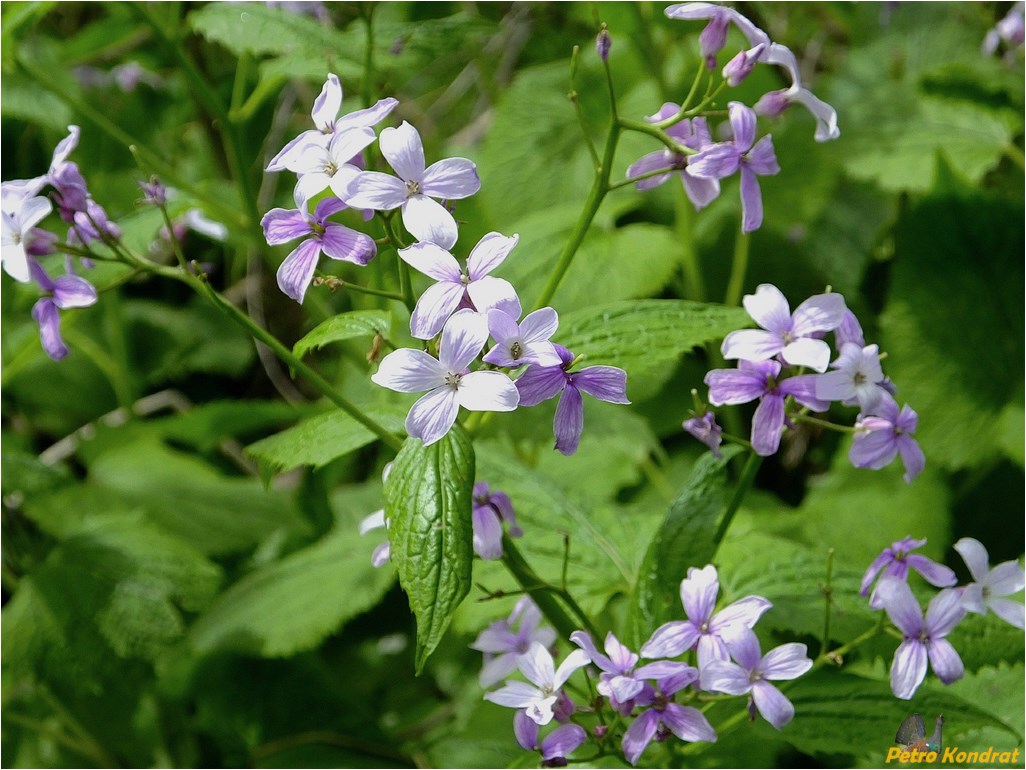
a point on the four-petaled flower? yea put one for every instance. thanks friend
(334, 240)
(502, 645)
(702, 628)
(68, 291)
(320, 166)
(857, 377)
(555, 747)
(413, 191)
(753, 159)
(753, 671)
(924, 637)
(714, 36)
(895, 560)
(540, 383)
(664, 717)
(522, 343)
(883, 435)
(449, 383)
(775, 102)
(539, 697)
(991, 584)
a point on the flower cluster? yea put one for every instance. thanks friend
(690, 150)
(647, 701)
(772, 365)
(925, 635)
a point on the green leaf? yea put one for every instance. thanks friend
(428, 505)
(292, 605)
(646, 337)
(259, 29)
(986, 640)
(685, 539)
(206, 425)
(318, 440)
(345, 326)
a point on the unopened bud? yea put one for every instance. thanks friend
(603, 43)
(741, 66)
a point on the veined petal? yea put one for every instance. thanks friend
(653, 161)
(568, 424)
(944, 660)
(297, 271)
(701, 192)
(502, 326)
(734, 386)
(433, 414)
(370, 116)
(670, 640)
(537, 665)
(404, 151)
(516, 695)
(374, 190)
(788, 661)
(742, 122)
(834, 386)
(1006, 578)
(975, 557)
(944, 612)
(809, 352)
(724, 676)
(539, 325)
(286, 156)
(433, 261)
(450, 179)
(766, 425)
(488, 391)
(908, 669)
(490, 252)
(491, 293)
(714, 162)
(33, 211)
(72, 291)
(803, 388)
(339, 183)
(575, 660)
(935, 574)
(911, 456)
(428, 220)
(433, 309)
(65, 147)
(772, 704)
(583, 640)
(826, 116)
(562, 741)
(751, 200)
(311, 184)
(769, 308)
(540, 383)
(606, 383)
(873, 450)
(497, 669)
(742, 645)
(744, 612)
(698, 592)
(688, 724)
(1009, 611)
(754, 345)
(463, 337)
(901, 606)
(526, 731)
(639, 735)
(408, 370)
(49, 319)
(340, 242)
(762, 159)
(487, 530)
(327, 104)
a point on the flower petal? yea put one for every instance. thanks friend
(901, 606)
(908, 669)
(670, 640)
(463, 337)
(488, 391)
(944, 660)
(754, 345)
(433, 309)
(489, 293)
(769, 308)
(562, 741)
(809, 352)
(374, 190)
(1009, 611)
(71, 291)
(568, 424)
(407, 370)
(912, 457)
(714, 162)
(539, 325)
(428, 220)
(724, 676)
(327, 104)
(688, 724)
(944, 613)
(516, 695)
(433, 414)
(450, 179)
(698, 592)
(403, 150)
(433, 261)
(487, 530)
(661, 159)
(639, 735)
(340, 242)
(370, 116)
(751, 200)
(606, 383)
(1006, 578)
(540, 383)
(975, 556)
(935, 574)
(772, 704)
(788, 661)
(742, 123)
(526, 731)
(766, 425)
(49, 319)
(489, 253)
(297, 271)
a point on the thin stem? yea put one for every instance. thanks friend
(337, 283)
(405, 282)
(828, 599)
(743, 485)
(823, 423)
(836, 655)
(738, 268)
(1015, 155)
(632, 179)
(575, 99)
(99, 758)
(687, 99)
(694, 284)
(651, 130)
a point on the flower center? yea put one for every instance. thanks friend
(860, 378)
(679, 161)
(412, 187)
(331, 169)
(516, 350)
(452, 379)
(787, 337)
(317, 228)
(464, 279)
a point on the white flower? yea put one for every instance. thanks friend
(991, 584)
(20, 215)
(537, 665)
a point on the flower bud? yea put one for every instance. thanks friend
(603, 43)
(741, 66)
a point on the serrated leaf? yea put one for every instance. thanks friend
(646, 337)
(345, 326)
(986, 640)
(428, 506)
(291, 605)
(684, 539)
(318, 440)
(260, 29)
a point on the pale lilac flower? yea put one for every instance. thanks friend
(540, 383)
(1011, 29)
(413, 191)
(793, 337)
(506, 640)
(857, 378)
(882, 436)
(666, 718)
(924, 638)
(92, 224)
(849, 331)
(523, 343)
(321, 236)
(760, 380)
(741, 153)
(325, 117)
(714, 36)
(706, 430)
(555, 747)
(154, 192)
(775, 102)
(895, 561)
(620, 680)
(198, 222)
(991, 584)
(449, 383)
(68, 291)
(490, 510)
(374, 521)
(539, 697)
(689, 133)
(70, 191)
(20, 216)
(320, 166)
(703, 628)
(753, 672)
(456, 288)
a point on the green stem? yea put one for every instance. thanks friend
(98, 757)
(743, 485)
(632, 179)
(687, 99)
(685, 220)
(835, 655)
(576, 101)
(542, 594)
(651, 130)
(368, 55)
(1015, 155)
(332, 282)
(738, 268)
(823, 423)
(405, 282)
(828, 598)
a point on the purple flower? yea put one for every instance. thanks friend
(539, 697)
(792, 337)
(68, 291)
(714, 36)
(741, 66)
(849, 331)
(490, 510)
(502, 645)
(690, 133)
(990, 584)
(857, 378)
(322, 165)
(413, 191)
(603, 42)
(924, 638)
(92, 224)
(758, 380)
(702, 628)
(456, 288)
(752, 674)
(523, 343)
(325, 117)
(540, 383)
(895, 561)
(881, 437)
(665, 718)
(449, 383)
(154, 192)
(334, 240)
(556, 746)
(775, 102)
(20, 216)
(706, 430)
(721, 160)
(70, 190)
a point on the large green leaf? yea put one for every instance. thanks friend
(646, 337)
(291, 605)
(428, 506)
(345, 326)
(684, 539)
(260, 29)
(320, 439)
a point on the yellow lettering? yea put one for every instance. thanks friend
(960, 757)
(930, 757)
(1015, 757)
(987, 756)
(972, 756)
(893, 753)
(949, 755)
